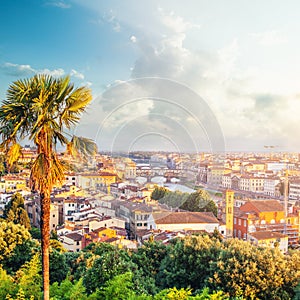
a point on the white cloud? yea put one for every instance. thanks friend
(76, 74)
(241, 101)
(133, 39)
(56, 72)
(270, 38)
(17, 70)
(111, 18)
(60, 4)
(251, 97)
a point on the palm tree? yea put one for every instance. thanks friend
(43, 109)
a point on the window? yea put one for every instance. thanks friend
(53, 216)
(245, 223)
(239, 221)
(234, 220)
(139, 224)
(145, 224)
(77, 243)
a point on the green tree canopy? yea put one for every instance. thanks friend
(159, 192)
(200, 201)
(104, 267)
(15, 211)
(236, 267)
(11, 235)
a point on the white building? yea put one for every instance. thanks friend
(270, 186)
(294, 191)
(176, 221)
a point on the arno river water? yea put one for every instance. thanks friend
(173, 186)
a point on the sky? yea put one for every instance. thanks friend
(172, 75)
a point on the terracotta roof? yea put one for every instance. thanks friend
(74, 236)
(264, 205)
(185, 218)
(267, 235)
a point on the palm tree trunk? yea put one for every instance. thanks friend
(45, 240)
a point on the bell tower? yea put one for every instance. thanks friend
(229, 198)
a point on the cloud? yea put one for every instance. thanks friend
(59, 4)
(133, 39)
(245, 86)
(20, 70)
(240, 100)
(270, 38)
(76, 74)
(111, 18)
(17, 70)
(56, 72)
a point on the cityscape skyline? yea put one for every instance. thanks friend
(166, 76)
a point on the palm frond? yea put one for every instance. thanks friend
(81, 146)
(14, 153)
(46, 171)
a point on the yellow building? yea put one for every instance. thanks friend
(13, 183)
(101, 180)
(269, 239)
(229, 198)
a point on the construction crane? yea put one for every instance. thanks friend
(270, 147)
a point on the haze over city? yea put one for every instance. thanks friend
(166, 75)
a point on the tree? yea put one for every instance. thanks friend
(263, 273)
(187, 263)
(6, 284)
(235, 267)
(111, 263)
(149, 257)
(21, 254)
(200, 201)
(159, 192)
(14, 211)
(118, 288)
(29, 278)
(58, 266)
(11, 235)
(42, 109)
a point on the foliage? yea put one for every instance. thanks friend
(68, 290)
(43, 109)
(21, 254)
(174, 199)
(159, 192)
(251, 271)
(15, 211)
(200, 201)
(148, 258)
(35, 233)
(105, 267)
(58, 266)
(6, 284)
(11, 235)
(119, 287)
(174, 294)
(29, 277)
(187, 263)
(76, 264)
(234, 266)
